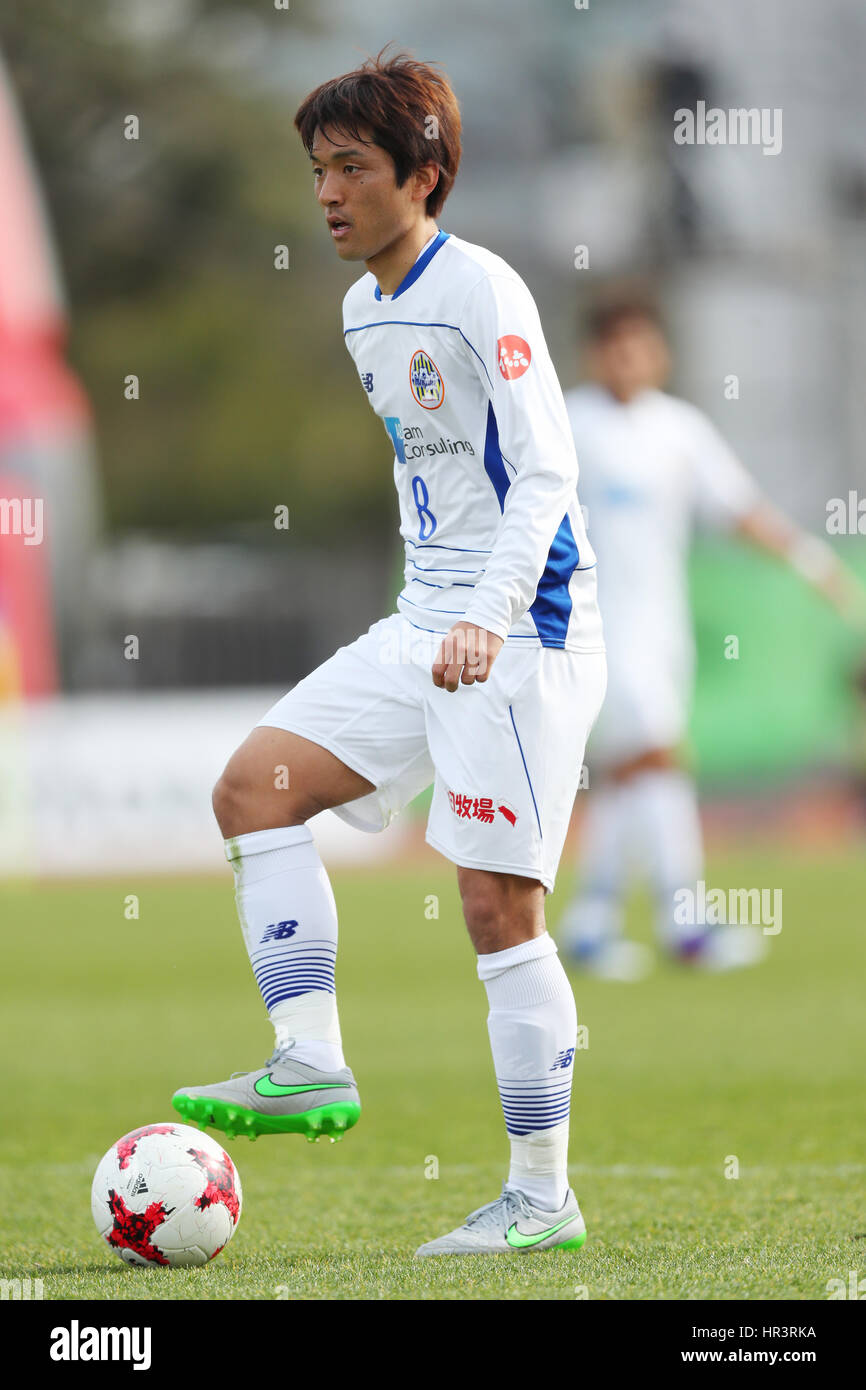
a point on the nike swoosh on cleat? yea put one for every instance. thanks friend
(265, 1086)
(519, 1241)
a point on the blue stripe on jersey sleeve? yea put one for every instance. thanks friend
(551, 609)
(494, 465)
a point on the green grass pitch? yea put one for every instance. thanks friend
(102, 1017)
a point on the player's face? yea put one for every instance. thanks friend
(632, 357)
(356, 186)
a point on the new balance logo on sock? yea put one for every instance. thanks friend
(278, 931)
(563, 1060)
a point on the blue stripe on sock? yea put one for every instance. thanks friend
(540, 1103)
(287, 969)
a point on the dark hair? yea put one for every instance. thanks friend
(394, 99)
(608, 315)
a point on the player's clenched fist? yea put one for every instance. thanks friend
(466, 655)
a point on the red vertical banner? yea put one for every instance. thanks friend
(39, 398)
(28, 653)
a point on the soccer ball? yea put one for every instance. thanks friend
(166, 1195)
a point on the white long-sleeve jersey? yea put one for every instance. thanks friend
(455, 364)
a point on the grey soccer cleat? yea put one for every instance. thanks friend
(283, 1097)
(511, 1224)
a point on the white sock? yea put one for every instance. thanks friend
(666, 829)
(533, 1032)
(289, 921)
(595, 913)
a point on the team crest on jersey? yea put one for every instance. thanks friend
(425, 381)
(515, 356)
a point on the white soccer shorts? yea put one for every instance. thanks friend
(504, 756)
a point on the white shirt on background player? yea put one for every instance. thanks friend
(651, 469)
(456, 365)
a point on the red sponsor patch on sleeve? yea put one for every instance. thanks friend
(515, 356)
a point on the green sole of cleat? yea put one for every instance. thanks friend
(325, 1121)
(574, 1244)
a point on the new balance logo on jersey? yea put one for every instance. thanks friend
(279, 931)
(367, 381)
(564, 1060)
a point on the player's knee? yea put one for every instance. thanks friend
(244, 801)
(241, 806)
(231, 804)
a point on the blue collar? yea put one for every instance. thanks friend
(420, 265)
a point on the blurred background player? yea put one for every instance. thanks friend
(651, 466)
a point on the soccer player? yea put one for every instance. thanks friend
(485, 681)
(650, 466)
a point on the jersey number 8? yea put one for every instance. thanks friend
(425, 516)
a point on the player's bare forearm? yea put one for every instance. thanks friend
(466, 655)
